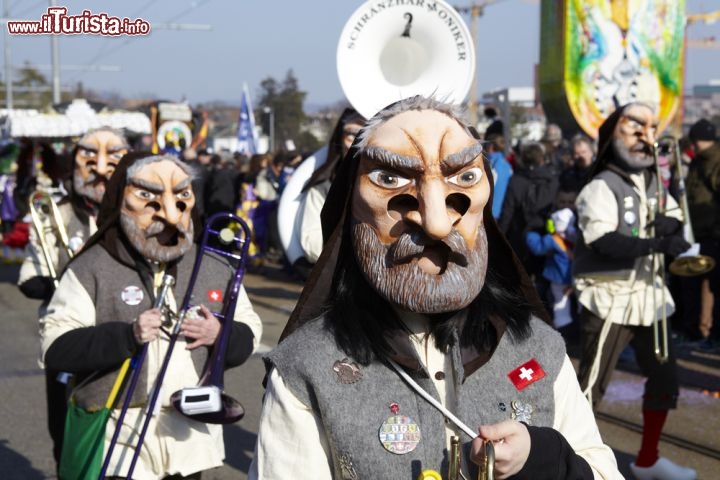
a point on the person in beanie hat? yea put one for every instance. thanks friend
(702, 300)
(415, 281)
(615, 276)
(702, 130)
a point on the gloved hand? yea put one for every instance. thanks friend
(664, 225)
(673, 245)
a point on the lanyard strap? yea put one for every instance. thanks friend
(448, 414)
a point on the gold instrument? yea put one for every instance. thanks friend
(46, 221)
(486, 471)
(660, 330)
(689, 263)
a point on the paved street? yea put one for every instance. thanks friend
(690, 437)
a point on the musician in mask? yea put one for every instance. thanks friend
(422, 277)
(315, 189)
(95, 157)
(102, 313)
(618, 287)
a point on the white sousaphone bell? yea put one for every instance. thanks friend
(389, 51)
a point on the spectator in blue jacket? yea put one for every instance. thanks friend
(501, 168)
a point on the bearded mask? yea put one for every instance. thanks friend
(411, 202)
(96, 156)
(156, 208)
(417, 212)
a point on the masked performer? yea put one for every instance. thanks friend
(317, 186)
(617, 283)
(420, 276)
(95, 156)
(101, 313)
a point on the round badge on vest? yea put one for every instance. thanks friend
(629, 217)
(132, 295)
(399, 434)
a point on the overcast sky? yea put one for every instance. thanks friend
(253, 39)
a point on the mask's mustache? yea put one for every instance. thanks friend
(94, 178)
(642, 148)
(158, 227)
(412, 245)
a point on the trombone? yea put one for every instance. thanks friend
(691, 262)
(46, 219)
(660, 327)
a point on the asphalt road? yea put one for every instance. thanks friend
(25, 449)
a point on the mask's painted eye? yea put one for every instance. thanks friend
(87, 153)
(468, 178)
(145, 195)
(385, 179)
(185, 195)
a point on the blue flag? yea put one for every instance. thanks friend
(247, 141)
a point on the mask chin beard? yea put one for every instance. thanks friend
(634, 160)
(92, 188)
(399, 279)
(158, 242)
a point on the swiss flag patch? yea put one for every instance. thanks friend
(215, 296)
(527, 373)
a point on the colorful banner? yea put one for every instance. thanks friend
(613, 52)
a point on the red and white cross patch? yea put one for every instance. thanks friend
(527, 373)
(215, 295)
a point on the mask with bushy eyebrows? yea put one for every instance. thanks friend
(417, 211)
(97, 154)
(156, 212)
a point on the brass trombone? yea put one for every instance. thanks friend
(660, 327)
(46, 219)
(689, 263)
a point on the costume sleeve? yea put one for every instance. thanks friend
(572, 448)
(34, 279)
(246, 331)
(291, 441)
(70, 339)
(672, 209)
(596, 211)
(311, 238)
(574, 420)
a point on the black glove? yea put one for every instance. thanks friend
(40, 288)
(673, 245)
(615, 245)
(665, 225)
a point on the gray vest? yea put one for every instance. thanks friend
(115, 288)
(352, 414)
(586, 261)
(77, 231)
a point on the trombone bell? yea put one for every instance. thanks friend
(691, 263)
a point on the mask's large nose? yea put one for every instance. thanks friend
(434, 213)
(170, 210)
